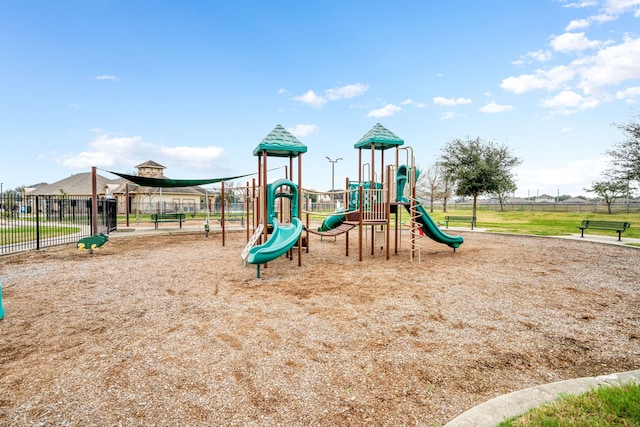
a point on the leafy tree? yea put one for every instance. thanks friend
(433, 186)
(477, 167)
(427, 185)
(609, 190)
(504, 191)
(625, 156)
(446, 191)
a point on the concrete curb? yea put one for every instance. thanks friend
(494, 411)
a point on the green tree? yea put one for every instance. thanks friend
(625, 155)
(504, 191)
(477, 167)
(609, 190)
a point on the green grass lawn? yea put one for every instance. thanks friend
(21, 234)
(543, 223)
(516, 222)
(603, 407)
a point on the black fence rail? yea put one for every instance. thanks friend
(596, 207)
(28, 223)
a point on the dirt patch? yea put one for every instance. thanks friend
(174, 330)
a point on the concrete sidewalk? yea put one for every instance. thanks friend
(494, 411)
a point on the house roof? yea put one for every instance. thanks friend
(280, 143)
(74, 185)
(150, 164)
(381, 138)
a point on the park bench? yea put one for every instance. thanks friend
(450, 218)
(618, 226)
(167, 217)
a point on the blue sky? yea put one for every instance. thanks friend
(196, 85)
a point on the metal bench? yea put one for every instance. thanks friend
(167, 217)
(450, 218)
(617, 226)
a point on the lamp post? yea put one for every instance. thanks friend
(333, 164)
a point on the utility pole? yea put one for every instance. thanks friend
(333, 164)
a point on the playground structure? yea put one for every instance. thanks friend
(274, 210)
(369, 203)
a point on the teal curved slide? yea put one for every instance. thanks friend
(332, 222)
(427, 224)
(282, 239)
(431, 229)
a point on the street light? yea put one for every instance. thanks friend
(333, 164)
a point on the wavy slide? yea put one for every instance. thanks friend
(428, 226)
(282, 239)
(431, 229)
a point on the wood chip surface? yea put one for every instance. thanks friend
(173, 330)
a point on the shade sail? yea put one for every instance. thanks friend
(146, 181)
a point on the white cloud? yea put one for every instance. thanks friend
(282, 91)
(629, 94)
(617, 7)
(304, 130)
(194, 157)
(412, 102)
(577, 24)
(346, 92)
(106, 77)
(386, 111)
(569, 42)
(448, 115)
(313, 99)
(566, 130)
(569, 179)
(582, 4)
(551, 79)
(612, 65)
(568, 102)
(492, 107)
(538, 56)
(123, 151)
(451, 102)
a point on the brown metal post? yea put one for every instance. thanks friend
(361, 193)
(127, 201)
(388, 212)
(265, 196)
(346, 209)
(246, 205)
(299, 208)
(222, 212)
(94, 201)
(372, 172)
(256, 205)
(307, 222)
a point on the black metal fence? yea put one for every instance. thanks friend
(42, 221)
(596, 207)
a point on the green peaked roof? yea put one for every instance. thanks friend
(280, 143)
(382, 137)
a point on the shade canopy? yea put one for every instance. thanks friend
(146, 181)
(381, 138)
(280, 143)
